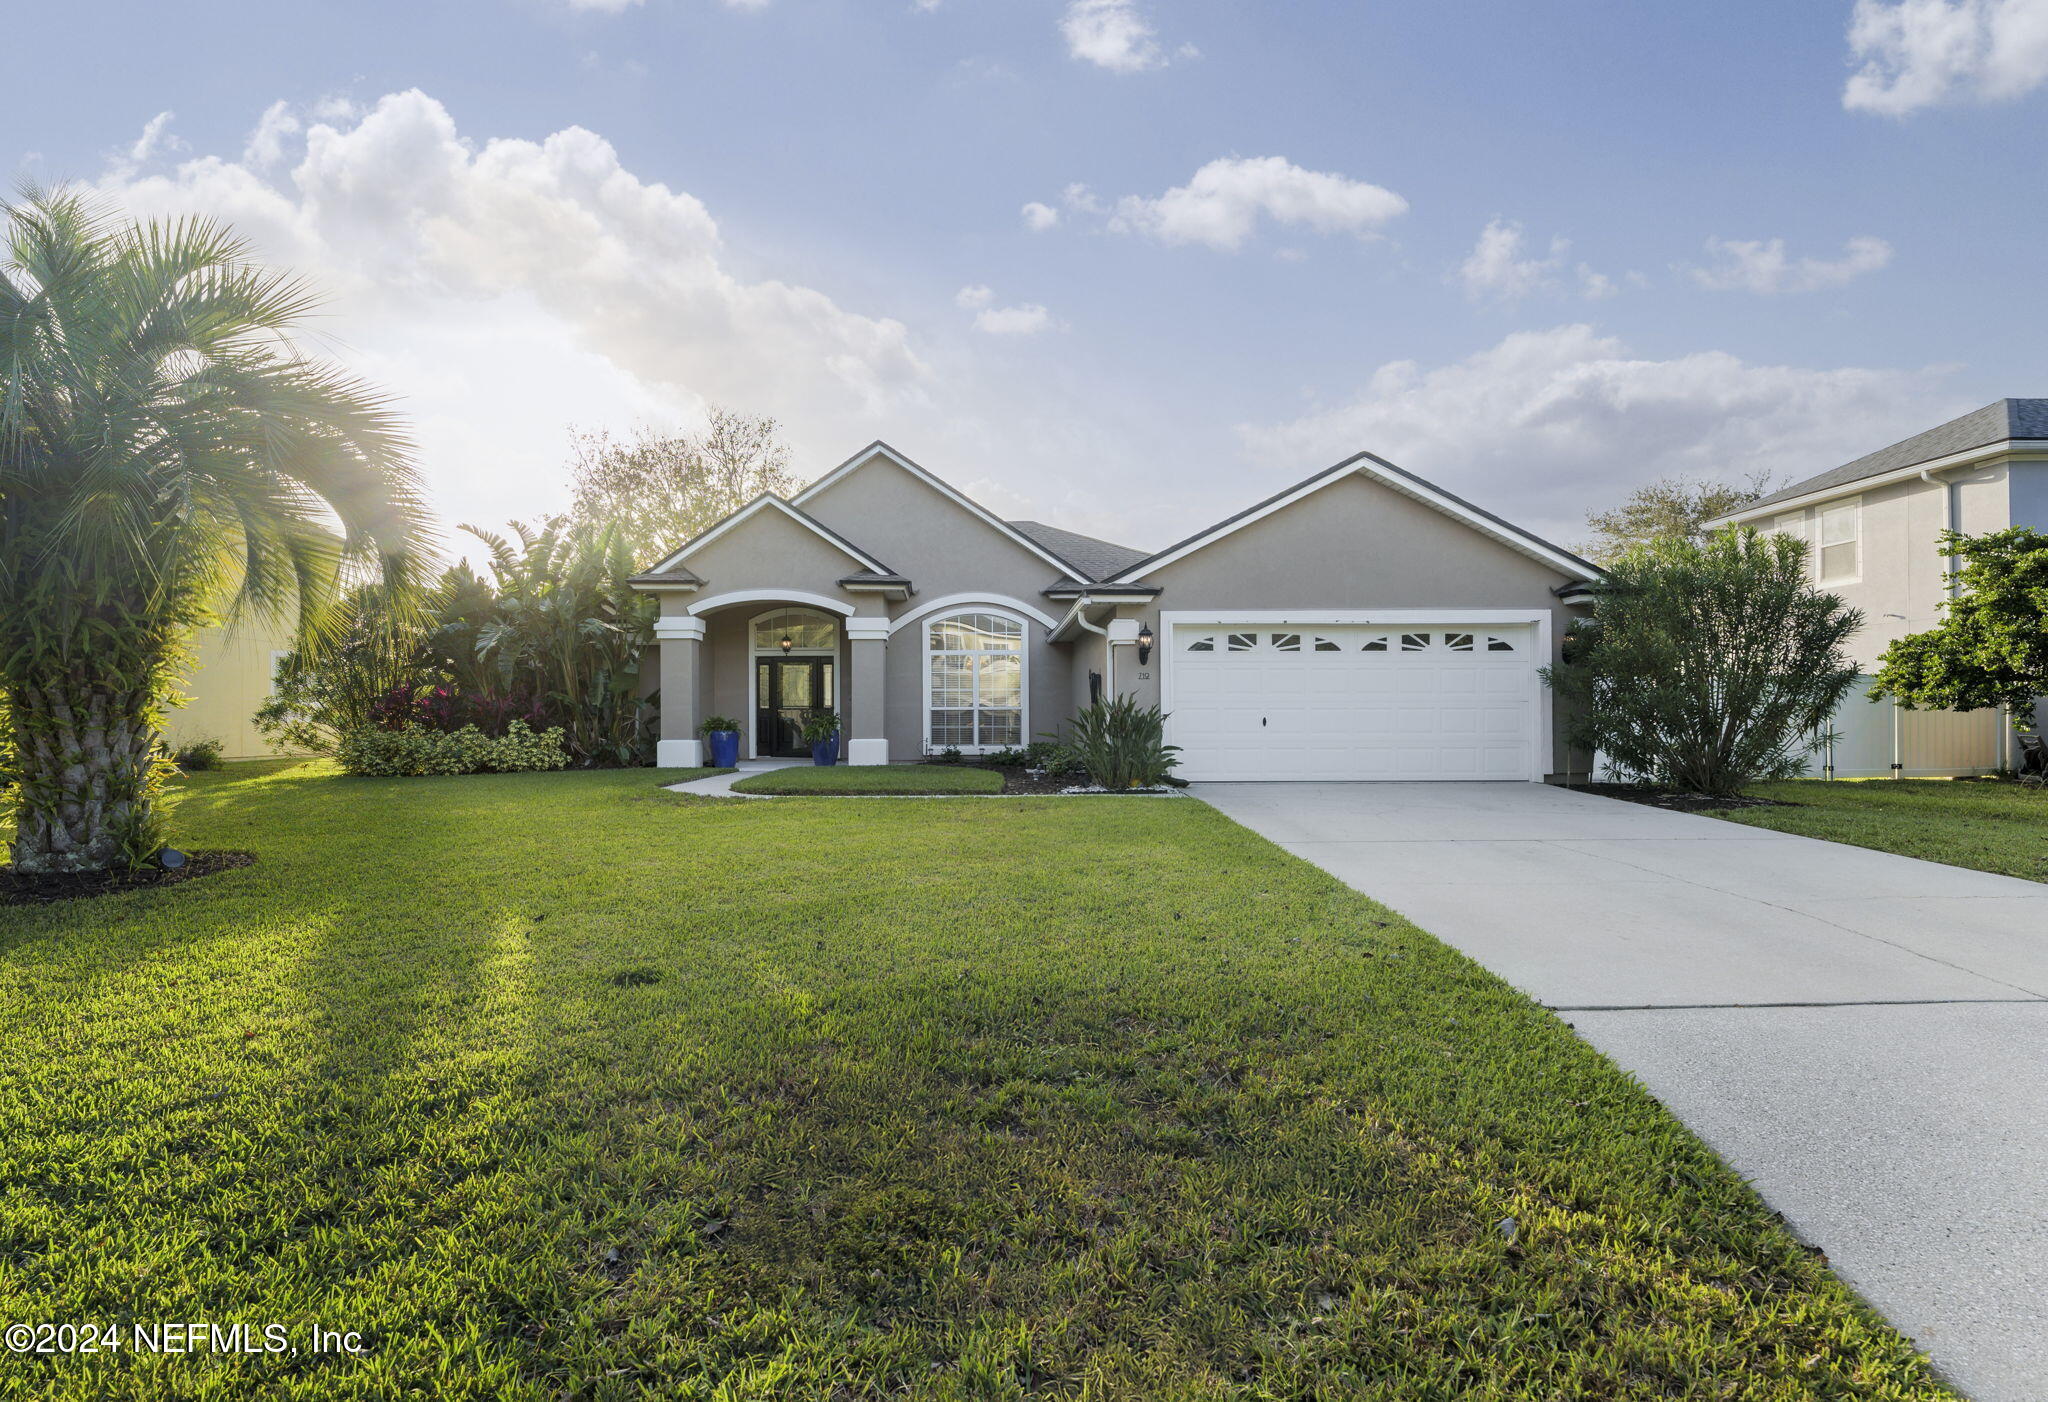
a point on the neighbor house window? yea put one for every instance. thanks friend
(975, 680)
(1840, 547)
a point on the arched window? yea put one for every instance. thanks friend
(807, 631)
(974, 679)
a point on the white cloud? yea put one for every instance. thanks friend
(274, 129)
(1040, 217)
(507, 288)
(1761, 266)
(1111, 34)
(1547, 425)
(604, 7)
(156, 140)
(977, 295)
(1220, 206)
(1499, 269)
(1026, 320)
(1922, 53)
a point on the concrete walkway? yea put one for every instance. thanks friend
(1863, 1036)
(720, 785)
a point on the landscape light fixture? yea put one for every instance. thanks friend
(1144, 644)
(787, 644)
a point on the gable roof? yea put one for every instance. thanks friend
(1402, 481)
(879, 449)
(769, 501)
(1099, 558)
(1997, 422)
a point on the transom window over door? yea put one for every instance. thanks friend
(975, 681)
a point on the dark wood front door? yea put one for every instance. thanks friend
(787, 692)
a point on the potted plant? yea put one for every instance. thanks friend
(821, 733)
(722, 735)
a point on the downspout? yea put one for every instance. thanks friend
(1079, 614)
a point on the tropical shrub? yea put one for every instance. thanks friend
(1120, 745)
(1991, 646)
(1707, 665)
(344, 678)
(164, 446)
(567, 630)
(411, 751)
(198, 754)
(711, 724)
(820, 727)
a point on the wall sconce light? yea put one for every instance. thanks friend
(1144, 644)
(787, 644)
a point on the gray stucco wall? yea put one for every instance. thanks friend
(946, 550)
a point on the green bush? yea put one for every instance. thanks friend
(1121, 745)
(1707, 666)
(199, 754)
(412, 751)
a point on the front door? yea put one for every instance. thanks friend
(787, 692)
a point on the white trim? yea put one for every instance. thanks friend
(1400, 482)
(999, 601)
(1543, 759)
(924, 647)
(687, 629)
(753, 654)
(678, 754)
(867, 751)
(868, 630)
(1122, 630)
(879, 449)
(2005, 447)
(783, 596)
(845, 548)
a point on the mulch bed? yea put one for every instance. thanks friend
(1024, 781)
(42, 890)
(1677, 802)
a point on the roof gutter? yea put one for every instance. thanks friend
(2004, 447)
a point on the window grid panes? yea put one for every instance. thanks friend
(977, 681)
(1838, 543)
(806, 631)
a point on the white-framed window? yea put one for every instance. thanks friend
(974, 680)
(806, 629)
(1839, 551)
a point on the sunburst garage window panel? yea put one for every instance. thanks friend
(976, 691)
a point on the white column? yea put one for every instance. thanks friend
(864, 695)
(681, 640)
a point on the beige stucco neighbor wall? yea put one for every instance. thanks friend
(229, 678)
(1356, 544)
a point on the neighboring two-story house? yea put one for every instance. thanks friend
(1872, 526)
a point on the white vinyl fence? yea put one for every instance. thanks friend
(1883, 741)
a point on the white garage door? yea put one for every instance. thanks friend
(1354, 701)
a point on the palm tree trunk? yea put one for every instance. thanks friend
(88, 762)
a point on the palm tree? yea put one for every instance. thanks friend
(164, 449)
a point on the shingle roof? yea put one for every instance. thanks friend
(1994, 423)
(1099, 559)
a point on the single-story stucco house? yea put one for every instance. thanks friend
(1362, 624)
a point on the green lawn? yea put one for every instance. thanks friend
(1986, 824)
(874, 779)
(562, 1085)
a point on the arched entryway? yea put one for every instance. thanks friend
(793, 656)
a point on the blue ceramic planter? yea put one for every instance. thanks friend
(825, 751)
(725, 748)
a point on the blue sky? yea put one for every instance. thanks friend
(1723, 238)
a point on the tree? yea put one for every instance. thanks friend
(1991, 646)
(1671, 508)
(164, 447)
(659, 490)
(1707, 665)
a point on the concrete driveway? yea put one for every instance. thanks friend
(1863, 1036)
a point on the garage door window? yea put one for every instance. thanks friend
(975, 681)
